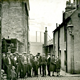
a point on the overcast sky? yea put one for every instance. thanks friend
(45, 13)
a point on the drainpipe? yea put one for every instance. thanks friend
(53, 42)
(66, 48)
(65, 28)
(58, 40)
(0, 36)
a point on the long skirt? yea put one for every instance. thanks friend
(52, 67)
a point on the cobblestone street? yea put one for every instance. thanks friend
(52, 78)
(64, 76)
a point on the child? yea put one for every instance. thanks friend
(13, 73)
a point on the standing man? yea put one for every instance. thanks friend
(48, 63)
(3, 62)
(43, 62)
(24, 64)
(9, 65)
(17, 63)
(39, 60)
(20, 64)
(35, 68)
(29, 66)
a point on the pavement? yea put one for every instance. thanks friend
(63, 73)
(63, 76)
(52, 78)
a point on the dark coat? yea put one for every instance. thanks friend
(43, 61)
(29, 67)
(58, 65)
(48, 61)
(20, 65)
(12, 61)
(35, 68)
(39, 60)
(4, 64)
(7, 61)
(8, 66)
(52, 65)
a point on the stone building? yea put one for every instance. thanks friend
(67, 38)
(15, 25)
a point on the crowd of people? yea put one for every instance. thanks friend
(17, 65)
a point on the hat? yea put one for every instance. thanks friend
(25, 62)
(14, 54)
(20, 54)
(2, 70)
(8, 52)
(13, 67)
(11, 54)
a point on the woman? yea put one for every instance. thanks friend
(52, 65)
(58, 66)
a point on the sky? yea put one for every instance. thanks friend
(44, 13)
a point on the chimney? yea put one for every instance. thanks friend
(56, 25)
(63, 15)
(45, 36)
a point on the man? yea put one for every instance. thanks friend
(32, 64)
(29, 66)
(39, 60)
(43, 62)
(20, 64)
(24, 64)
(35, 66)
(48, 63)
(3, 62)
(9, 65)
(12, 59)
(17, 62)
